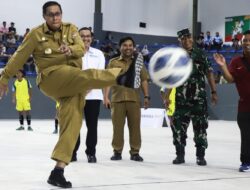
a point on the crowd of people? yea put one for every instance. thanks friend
(69, 71)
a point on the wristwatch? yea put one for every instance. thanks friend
(148, 97)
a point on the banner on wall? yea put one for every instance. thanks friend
(235, 27)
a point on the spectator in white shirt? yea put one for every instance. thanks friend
(217, 41)
(93, 59)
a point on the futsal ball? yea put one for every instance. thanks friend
(170, 67)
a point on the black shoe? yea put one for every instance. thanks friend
(201, 161)
(116, 156)
(74, 158)
(131, 78)
(136, 157)
(179, 160)
(57, 178)
(91, 158)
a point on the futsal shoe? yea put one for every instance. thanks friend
(57, 178)
(116, 156)
(179, 160)
(29, 128)
(201, 161)
(131, 78)
(20, 128)
(244, 168)
(91, 158)
(136, 157)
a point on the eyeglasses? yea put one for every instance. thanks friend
(52, 15)
(86, 36)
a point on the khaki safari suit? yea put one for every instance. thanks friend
(125, 103)
(60, 77)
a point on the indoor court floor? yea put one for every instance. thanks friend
(25, 162)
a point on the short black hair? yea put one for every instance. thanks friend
(50, 3)
(246, 32)
(87, 28)
(22, 71)
(122, 40)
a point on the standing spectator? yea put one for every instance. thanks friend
(3, 31)
(12, 28)
(169, 104)
(191, 102)
(208, 40)
(217, 41)
(93, 59)
(238, 72)
(125, 102)
(60, 77)
(145, 53)
(22, 98)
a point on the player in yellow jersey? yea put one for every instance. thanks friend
(22, 97)
(169, 105)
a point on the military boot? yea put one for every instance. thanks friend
(180, 152)
(57, 178)
(200, 156)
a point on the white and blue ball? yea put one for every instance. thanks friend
(170, 67)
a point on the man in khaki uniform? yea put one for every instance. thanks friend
(125, 102)
(57, 50)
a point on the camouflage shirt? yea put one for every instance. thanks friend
(193, 89)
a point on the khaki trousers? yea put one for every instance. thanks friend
(68, 85)
(119, 112)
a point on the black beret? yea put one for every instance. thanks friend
(183, 32)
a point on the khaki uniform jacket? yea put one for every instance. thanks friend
(44, 45)
(121, 93)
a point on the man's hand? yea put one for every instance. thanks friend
(146, 103)
(220, 60)
(65, 49)
(214, 98)
(107, 103)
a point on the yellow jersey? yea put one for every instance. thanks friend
(171, 107)
(22, 89)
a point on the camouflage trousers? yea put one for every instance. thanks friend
(195, 112)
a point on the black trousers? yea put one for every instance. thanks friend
(91, 113)
(243, 120)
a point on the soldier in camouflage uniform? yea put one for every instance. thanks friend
(191, 102)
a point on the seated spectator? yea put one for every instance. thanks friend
(107, 49)
(2, 49)
(208, 41)
(217, 41)
(145, 53)
(236, 43)
(11, 40)
(200, 41)
(26, 32)
(3, 56)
